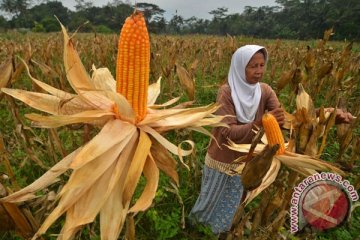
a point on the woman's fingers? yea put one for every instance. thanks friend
(278, 113)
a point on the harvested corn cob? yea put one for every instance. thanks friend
(133, 63)
(273, 132)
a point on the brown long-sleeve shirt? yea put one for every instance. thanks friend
(238, 132)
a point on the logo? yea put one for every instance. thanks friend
(322, 200)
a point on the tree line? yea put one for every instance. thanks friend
(290, 19)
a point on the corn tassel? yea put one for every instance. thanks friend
(133, 63)
(273, 132)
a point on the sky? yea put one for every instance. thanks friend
(189, 8)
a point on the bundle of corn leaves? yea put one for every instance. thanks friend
(106, 170)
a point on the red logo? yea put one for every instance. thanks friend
(325, 206)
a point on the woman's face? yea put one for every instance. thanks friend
(255, 69)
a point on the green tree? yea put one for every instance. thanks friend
(82, 5)
(112, 15)
(176, 24)
(158, 25)
(38, 27)
(3, 23)
(219, 24)
(50, 24)
(15, 7)
(47, 11)
(150, 10)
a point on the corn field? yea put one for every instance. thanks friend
(192, 67)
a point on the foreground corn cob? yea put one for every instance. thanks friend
(273, 132)
(133, 64)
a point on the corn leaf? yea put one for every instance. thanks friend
(40, 101)
(100, 143)
(58, 121)
(103, 80)
(151, 173)
(45, 180)
(183, 119)
(153, 92)
(164, 161)
(111, 222)
(137, 166)
(124, 109)
(75, 70)
(186, 81)
(79, 183)
(308, 162)
(303, 100)
(6, 70)
(168, 145)
(166, 104)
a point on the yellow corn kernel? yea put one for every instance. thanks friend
(273, 132)
(133, 63)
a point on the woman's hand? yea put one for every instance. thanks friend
(341, 115)
(278, 113)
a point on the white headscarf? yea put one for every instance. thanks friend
(246, 97)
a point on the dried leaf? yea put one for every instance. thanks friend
(166, 104)
(54, 91)
(111, 222)
(164, 161)
(137, 166)
(310, 59)
(303, 161)
(124, 110)
(153, 92)
(6, 70)
(151, 173)
(100, 143)
(46, 70)
(103, 80)
(81, 188)
(58, 121)
(303, 100)
(75, 70)
(327, 34)
(186, 81)
(168, 145)
(324, 69)
(284, 79)
(45, 180)
(40, 101)
(182, 119)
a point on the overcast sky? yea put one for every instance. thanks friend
(189, 8)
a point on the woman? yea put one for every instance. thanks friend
(247, 99)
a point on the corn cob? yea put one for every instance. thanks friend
(273, 132)
(133, 63)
